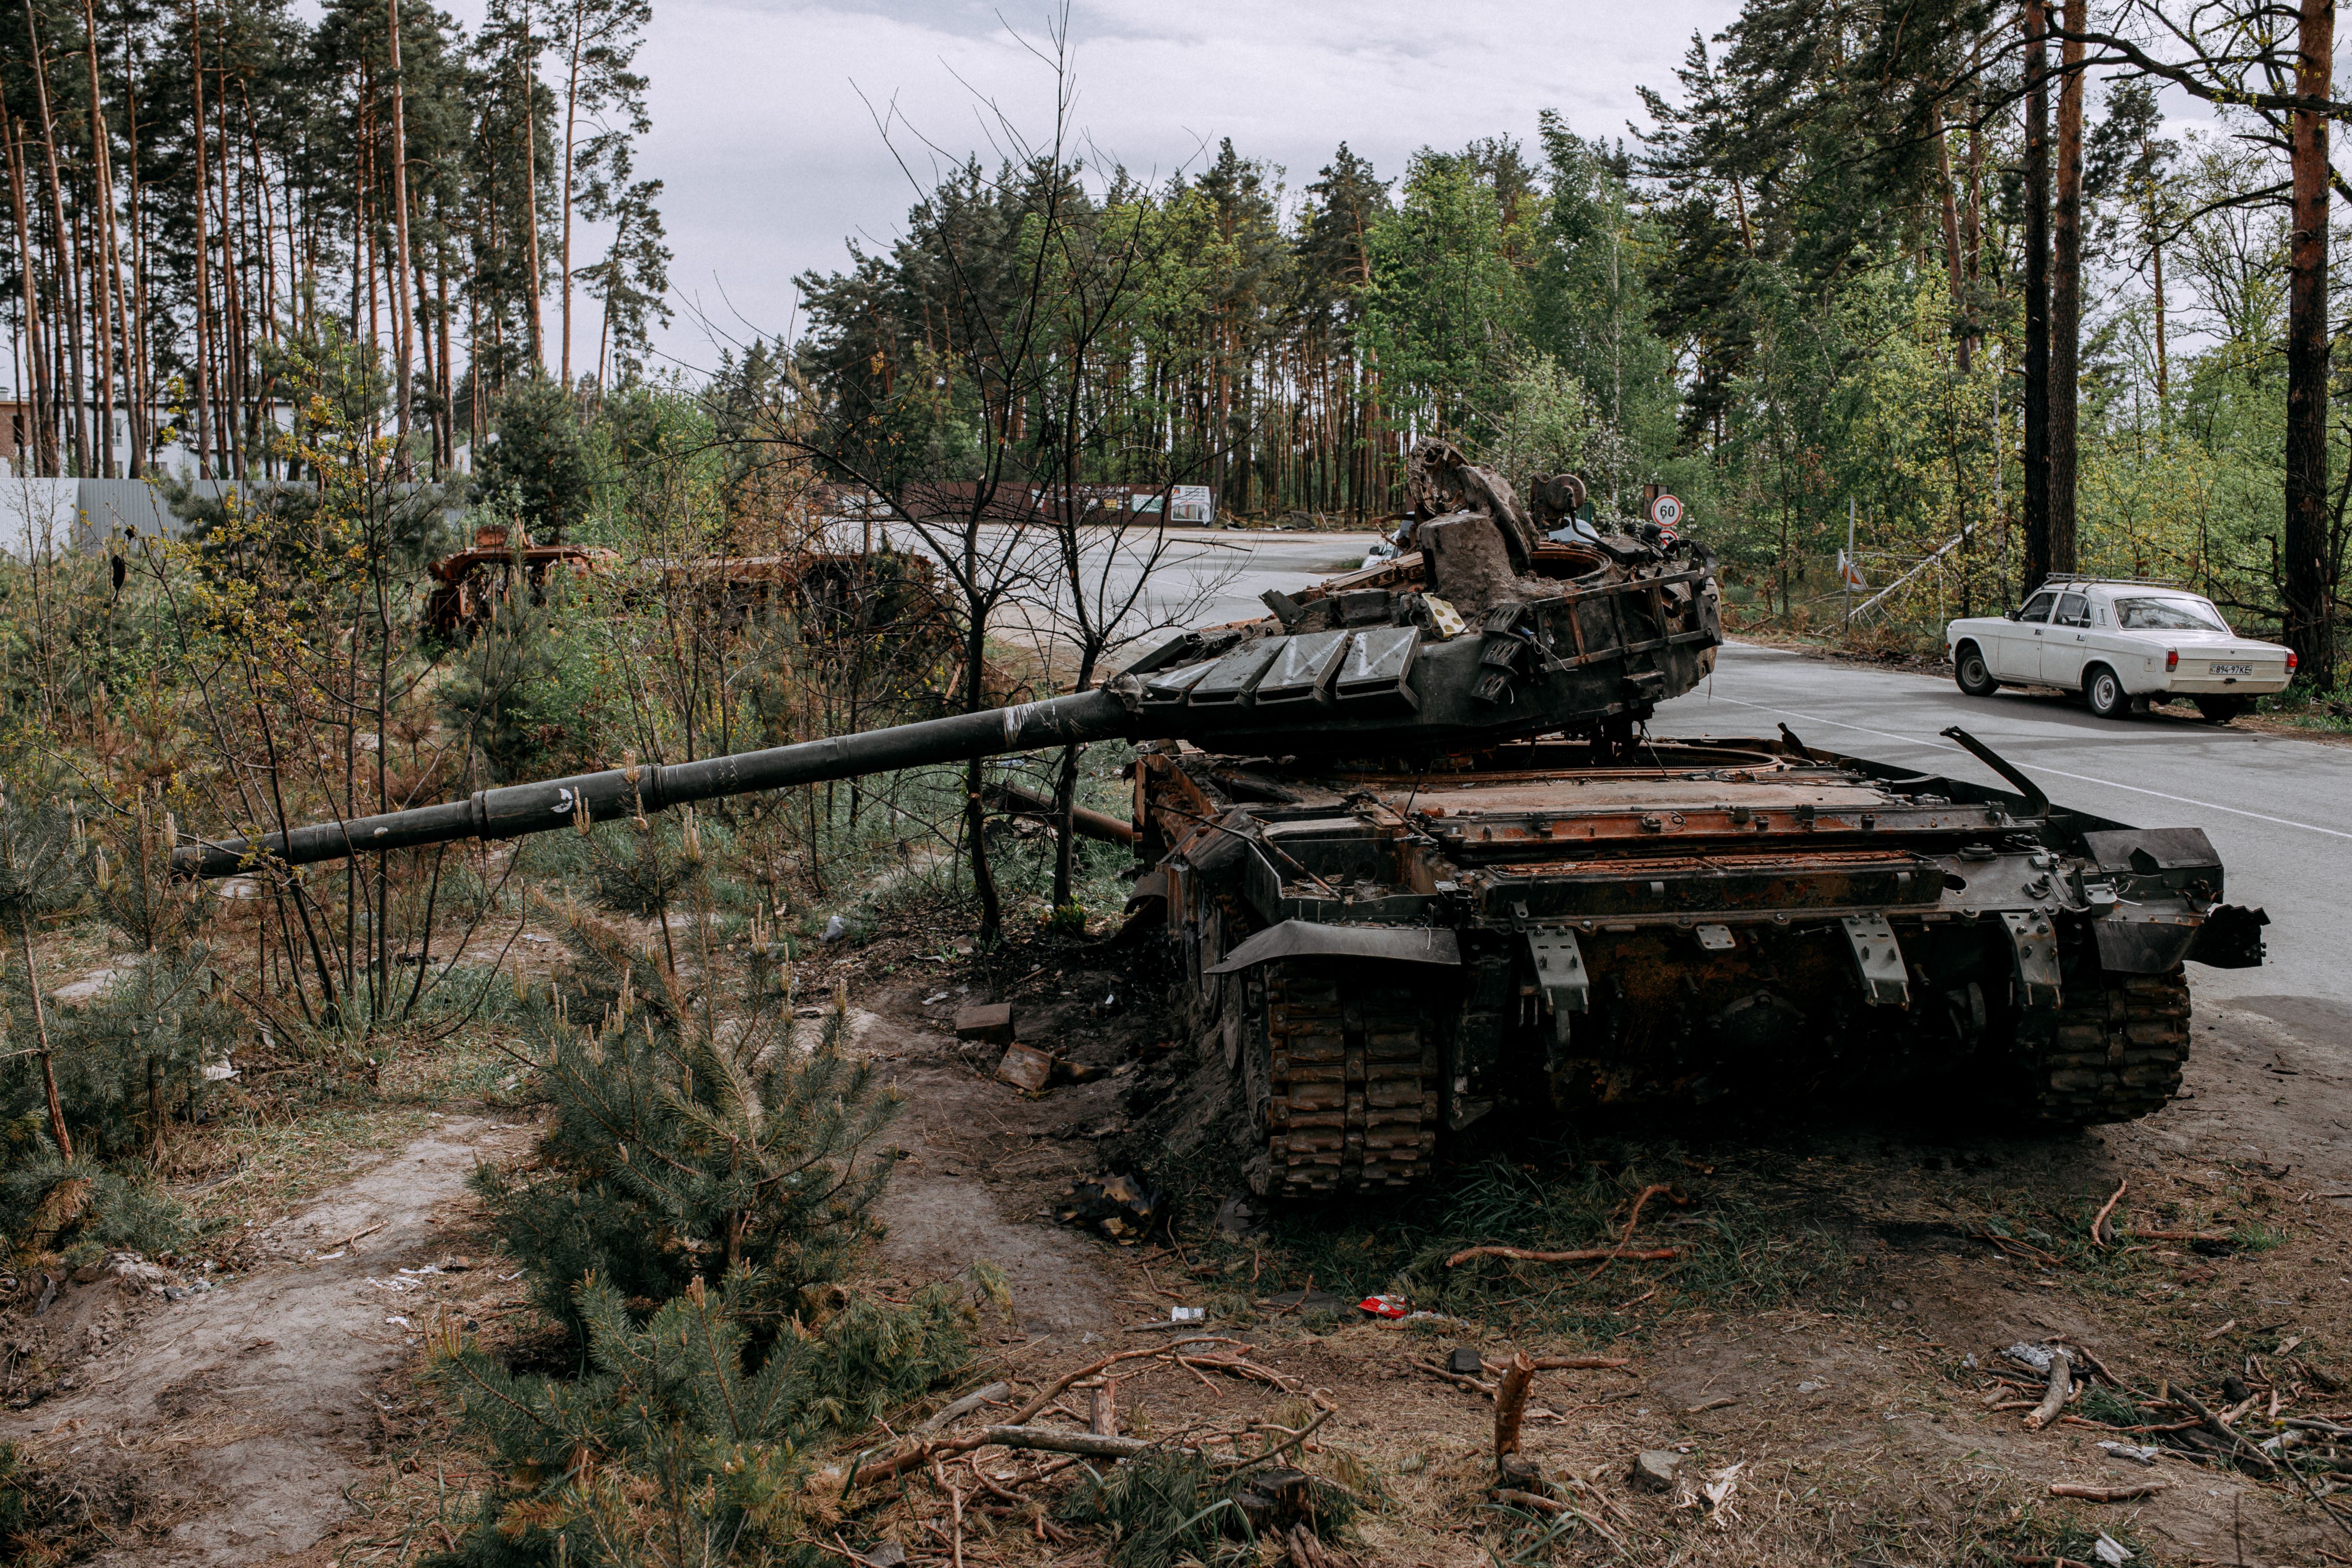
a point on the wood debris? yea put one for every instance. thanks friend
(2128, 1493)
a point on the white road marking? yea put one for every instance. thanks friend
(2038, 768)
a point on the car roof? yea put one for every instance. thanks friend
(2075, 585)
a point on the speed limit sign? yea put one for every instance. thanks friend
(1666, 512)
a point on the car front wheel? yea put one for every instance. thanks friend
(1969, 670)
(2108, 697)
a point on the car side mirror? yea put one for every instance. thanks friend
(2009, 614)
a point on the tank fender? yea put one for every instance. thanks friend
(2142, 947)
(2145, 851)
(1313, 939)
(2230, 938)
(1149, 887)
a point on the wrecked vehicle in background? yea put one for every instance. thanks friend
(1416, 863)
(469, 586)
(828, 592)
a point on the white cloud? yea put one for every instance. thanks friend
(772, 158)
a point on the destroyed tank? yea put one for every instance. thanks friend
(1416, 863)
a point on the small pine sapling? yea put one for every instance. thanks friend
(127, 866)
(692, 1133)
(694, 1423)
(695, 1207)
(140, 1047)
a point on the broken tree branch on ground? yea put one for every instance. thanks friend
(1097, 1443)
(2098, 1221)
(1511, 1393)
(1655, 1189)
(2127, 1493)
(1581, 1254)
(2061, 1387)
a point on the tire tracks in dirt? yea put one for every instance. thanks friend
(228, 1427)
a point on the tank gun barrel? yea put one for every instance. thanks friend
(615, 793)
(1379, 662)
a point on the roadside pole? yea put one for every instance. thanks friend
(1846, 567)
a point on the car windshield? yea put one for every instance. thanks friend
(2167, 614)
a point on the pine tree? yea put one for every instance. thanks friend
(693, 1133)
(632, 280)
(688, 1439)
(598, 41)
(539, 463)
(38, 878)
(695, 1204)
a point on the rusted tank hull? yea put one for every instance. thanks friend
(1388, 959)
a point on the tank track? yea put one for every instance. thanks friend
(1342, 1067)
(2112, 1053)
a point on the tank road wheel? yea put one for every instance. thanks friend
(1339, 1067)
(2112, 1053)
(1970, 671)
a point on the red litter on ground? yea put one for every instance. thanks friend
(1382, 1306)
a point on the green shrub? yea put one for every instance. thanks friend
(15, 1505)
(53, 1213)
(130, 1057)
(695, 1425)
(694, 1204)
(537, 459)
(1181, 1506)
(689, 1137)
(639, 871)
(528, 690)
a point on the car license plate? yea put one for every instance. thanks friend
(2229, 670)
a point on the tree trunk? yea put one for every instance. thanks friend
(1953, 266)
(984, 875)
(137, 371)
(68, 269)
(2066, 296)
(449, 391)
(41, 1030)
(229, 426)
(530, 183)
(106, 262)
(44, 430)
(571, 124)
(2037, 295)
(405, 321)
(2307, 590)
(203, 286)
(2156, 268)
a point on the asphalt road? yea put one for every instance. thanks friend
(1198, 577)
(2279, 810)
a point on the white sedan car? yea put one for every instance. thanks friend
(2121, 645)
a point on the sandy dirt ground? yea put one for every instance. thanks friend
(249, 1422)
(229, 1425)
(1860, 1423)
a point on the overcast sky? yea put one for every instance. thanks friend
(765, 111)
